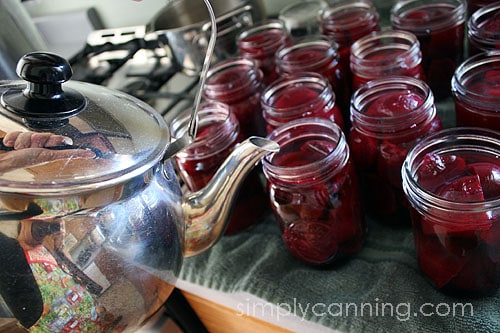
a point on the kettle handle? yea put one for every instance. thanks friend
(190, 134)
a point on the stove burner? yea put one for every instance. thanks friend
(141, 65)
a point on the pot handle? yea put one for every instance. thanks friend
(242, 17)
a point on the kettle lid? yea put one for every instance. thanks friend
(72, 136)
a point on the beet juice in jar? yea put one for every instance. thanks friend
(385, 53)
(474, 5)
(389, 116)
(439, 27)
(218, 133)
(314, 192)
(316, 54)
(476, 91)
(300, 95)
(345, 22)
(260, 43)
(452, 181)
(237, 82)
(483, 29)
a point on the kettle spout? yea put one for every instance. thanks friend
(206, 212)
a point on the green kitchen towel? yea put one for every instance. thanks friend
(378, 290)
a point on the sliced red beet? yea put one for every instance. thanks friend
(294, 96)
(479, 276)
(390, 161)
(311, 241)
(394, 104)
(489, 175)
(437, 169)
(463, 189)
(435, 261)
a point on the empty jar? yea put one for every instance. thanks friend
(483, 31)
(260, 42)
(345, 22)
(218, 133)
(389, 116)
(385, 53)
(314, 191)
(475, 91)
(452, 181)
(237, 82)
(439, 27)
(299, 95)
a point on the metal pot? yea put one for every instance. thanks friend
(93, 225)
(186, 28)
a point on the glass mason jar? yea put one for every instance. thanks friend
(305, 94)
(218, 133)
(346, 21)
(474, 5)
(302, 18)
(314, 191)
(439, 27)
(389, 116)
(385, 53)
(452, 181)
(260, 43)
(237, 82)
(316, 54)
(475, 91)
(483, 29)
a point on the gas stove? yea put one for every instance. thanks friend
(140, 64)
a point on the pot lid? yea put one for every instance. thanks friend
(72, 136)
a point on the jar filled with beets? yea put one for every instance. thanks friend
(300, 95)
(476, 93)
(452, 181)
(317, 54)
(345, 22)
(314, 191)
(218, 133)
(440, 28)
(474, 5)
(483, 29)
(260, 42)
(237, 82)
(389, 116)
(385, 53)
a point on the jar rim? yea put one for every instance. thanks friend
(311, 79)
(476, 33)
(391, 126)
(454, 17)
(324, 44)
(405, 41)
(265, 25)
(294, 174)
(459, 139)
(371, 14)
(215, 114)
(466, 72)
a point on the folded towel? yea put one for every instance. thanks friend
(379, 290)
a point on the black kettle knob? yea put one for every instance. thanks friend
(43, 103)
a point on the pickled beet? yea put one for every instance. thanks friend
(301, 95)
(379, 156)
(440, 29)
(314, 191)
(462, 255)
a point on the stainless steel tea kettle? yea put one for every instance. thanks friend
(93, 224)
